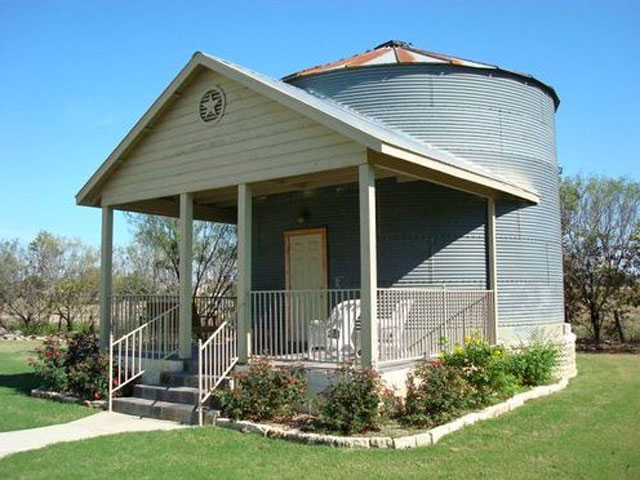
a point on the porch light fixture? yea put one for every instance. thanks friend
(303, 217)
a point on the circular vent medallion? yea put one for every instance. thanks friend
(212, 105)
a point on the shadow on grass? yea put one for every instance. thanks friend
(20, 382)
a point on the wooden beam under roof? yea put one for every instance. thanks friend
(170, 207)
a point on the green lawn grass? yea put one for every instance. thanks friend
(589, 430)
(17, 409)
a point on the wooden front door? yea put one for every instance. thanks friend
(306, 270)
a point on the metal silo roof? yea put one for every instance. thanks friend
(395, 52)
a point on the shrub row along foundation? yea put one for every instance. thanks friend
(426, 438)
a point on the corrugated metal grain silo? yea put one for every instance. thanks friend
(494, 117)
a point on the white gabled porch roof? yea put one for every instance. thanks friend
(392, 149)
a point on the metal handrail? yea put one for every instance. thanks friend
(157, 344)
(216, 358)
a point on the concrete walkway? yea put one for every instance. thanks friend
(103, 423)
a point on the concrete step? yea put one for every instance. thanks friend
(179, 379)
(185, 379)
(174, 394)
(176, 412)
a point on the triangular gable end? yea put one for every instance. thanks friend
(256, 139)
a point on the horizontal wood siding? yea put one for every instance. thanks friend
(257, 139)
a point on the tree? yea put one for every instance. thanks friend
(214, 257)
(50, 276)
(75, 293)
(32, 285)
(9, 267)
(601, 244)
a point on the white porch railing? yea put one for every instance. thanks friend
(216, 358)
(309, 325)
(155, 338)
(210, 312)
(128, 312)
(324, 325)
(418, 323)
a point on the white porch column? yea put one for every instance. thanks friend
(186, 272)
(492, 270)
(244, 272)
(368, 265)
(106, 267)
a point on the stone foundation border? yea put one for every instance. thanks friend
(426, 438)
(62, 398)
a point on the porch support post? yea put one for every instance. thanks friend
(186, 272)
(492, 265)
(244, 272)
(106, 263)
(368, 265)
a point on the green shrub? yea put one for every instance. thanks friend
(533, 363)
(436, 393)
(264, 392)
(487, 369)
(351, 403)
(73, 364)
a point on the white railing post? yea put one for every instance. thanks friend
(200, 419)
(110, 400)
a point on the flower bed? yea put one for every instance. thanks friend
(475, 377)
(422, 438)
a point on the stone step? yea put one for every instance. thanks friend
(179, 379)
(174, 394)
(176, 412)
(185, 379)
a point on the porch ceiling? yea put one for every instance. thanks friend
(219, 205)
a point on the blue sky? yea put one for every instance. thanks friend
(75, 76)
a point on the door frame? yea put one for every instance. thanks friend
(308, 231)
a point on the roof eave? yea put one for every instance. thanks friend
(435, 163)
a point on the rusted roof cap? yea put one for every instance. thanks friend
(403, 53)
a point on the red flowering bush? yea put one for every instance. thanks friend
(50, 360)
(73, 364)
(353, 401)
(263, 392)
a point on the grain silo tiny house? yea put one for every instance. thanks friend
(386, 205)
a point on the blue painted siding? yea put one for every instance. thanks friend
(427, 235)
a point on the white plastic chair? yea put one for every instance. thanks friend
(337, 334)
(392, 334)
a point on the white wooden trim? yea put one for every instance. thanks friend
(186, 272)
(459, 173)
(106, 267)
(368, 265)
(243, 284)
(492, 263)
